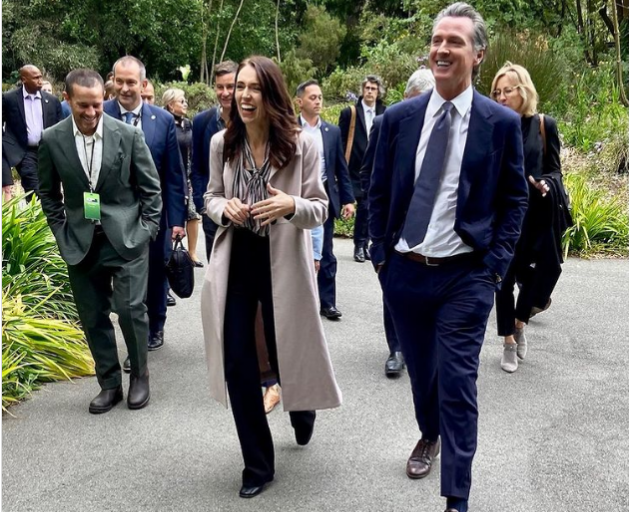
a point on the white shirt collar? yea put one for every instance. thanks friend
(305, 123)
(366, 108)
(98, 134)
(136, 110)
(26, 94)
(462, 102)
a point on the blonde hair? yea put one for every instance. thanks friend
(171, 95)
(523, 83)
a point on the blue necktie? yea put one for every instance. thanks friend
(427, 184)
(129, 117)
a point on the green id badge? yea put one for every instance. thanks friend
(92, 206)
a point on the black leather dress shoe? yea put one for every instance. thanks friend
(394, 365)
(304, 434)
(366, 251)
(105, 400)
(332, 313)
(249, 491)
(127, 365)
(139, 392)
(156, 341)
(170, 300)
(359, 254)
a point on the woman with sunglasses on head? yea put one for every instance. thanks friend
(174, 100)
(265, 193)
(538, 254)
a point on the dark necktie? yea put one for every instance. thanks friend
(427, 184)
(129, 117)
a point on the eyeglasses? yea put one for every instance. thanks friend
(507, 91)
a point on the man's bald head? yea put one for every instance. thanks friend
(31, 78)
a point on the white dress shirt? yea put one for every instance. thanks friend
(369, 114)
(316, 133)
(34, 114)
(441, 239)
(90, 151)
(137, 111)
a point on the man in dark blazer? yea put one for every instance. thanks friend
(103, 219)
(158, 127)
(447, 199)
(419, 82)
(205, 125)
(26, 112)
(334, 172)
(354, 137)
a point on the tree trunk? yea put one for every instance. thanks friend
(216, 39)
(229, 34)
(277, 38)
(622, 91)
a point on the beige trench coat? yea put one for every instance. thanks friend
(306, 372)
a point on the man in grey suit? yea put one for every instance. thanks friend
(109, 211)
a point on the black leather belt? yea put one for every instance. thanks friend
(436, 262)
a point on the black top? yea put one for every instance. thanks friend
(183, 127)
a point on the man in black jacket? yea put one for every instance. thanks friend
(26, 112)
(355, 123)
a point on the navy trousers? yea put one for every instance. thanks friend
(159, 253)
(361, 224)
(440, 315)
(328, 267)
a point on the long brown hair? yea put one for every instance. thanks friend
(283, 125)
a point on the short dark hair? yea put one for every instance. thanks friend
(299, 92)
(225, 68)
(374, 79)
(84, 78)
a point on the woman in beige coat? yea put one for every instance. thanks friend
(265, 194)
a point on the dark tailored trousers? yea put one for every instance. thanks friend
(27, 169)
(159, 253)
(209, 229)
(361, 224)
(328, 267)
(440, 314)
(250, 284)
(390, 331)
(102, 280)
(508, 310)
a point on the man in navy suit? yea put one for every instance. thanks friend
(205, 125)
(447, 199)
(160, 136)
(334, 173)
(26, 112)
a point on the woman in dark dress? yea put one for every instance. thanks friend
(538, 254)
(174, 100)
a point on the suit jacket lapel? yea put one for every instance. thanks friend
(45, 109)
(111, 141)
(478, 143)
(408, 139)
(20, 103)
(70, 151)
(148, 124)
(328, 156)
(361, 116)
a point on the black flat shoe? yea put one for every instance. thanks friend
(170, 300)
(394, 365)
(127, 365)
(251, 491)
(198, 264)
(105, 400)
(332, 313)
(156, 341)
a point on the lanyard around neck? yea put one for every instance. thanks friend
(89, 164)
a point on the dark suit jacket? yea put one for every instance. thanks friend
(205, 126)
(128, 185)
(160, 135)
(337, 184)
(360, 141)
(370, 153)
(492, 194)
(65, 109)
(15, 138)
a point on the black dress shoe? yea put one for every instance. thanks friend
(249, 491)
(127, 365)
(105, 400)
(359, 254)
(170, 300)
(139, 392)
(366, 251)
(332, 313)
(156, 341)
(394, 365)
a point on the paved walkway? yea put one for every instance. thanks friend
(552, 437)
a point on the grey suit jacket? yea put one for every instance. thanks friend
(128, 185)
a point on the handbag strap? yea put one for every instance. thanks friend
(543, 133)
(353, 125)
(178, 244)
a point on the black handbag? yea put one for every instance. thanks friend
(180, 270)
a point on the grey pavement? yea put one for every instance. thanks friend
(553, 436)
